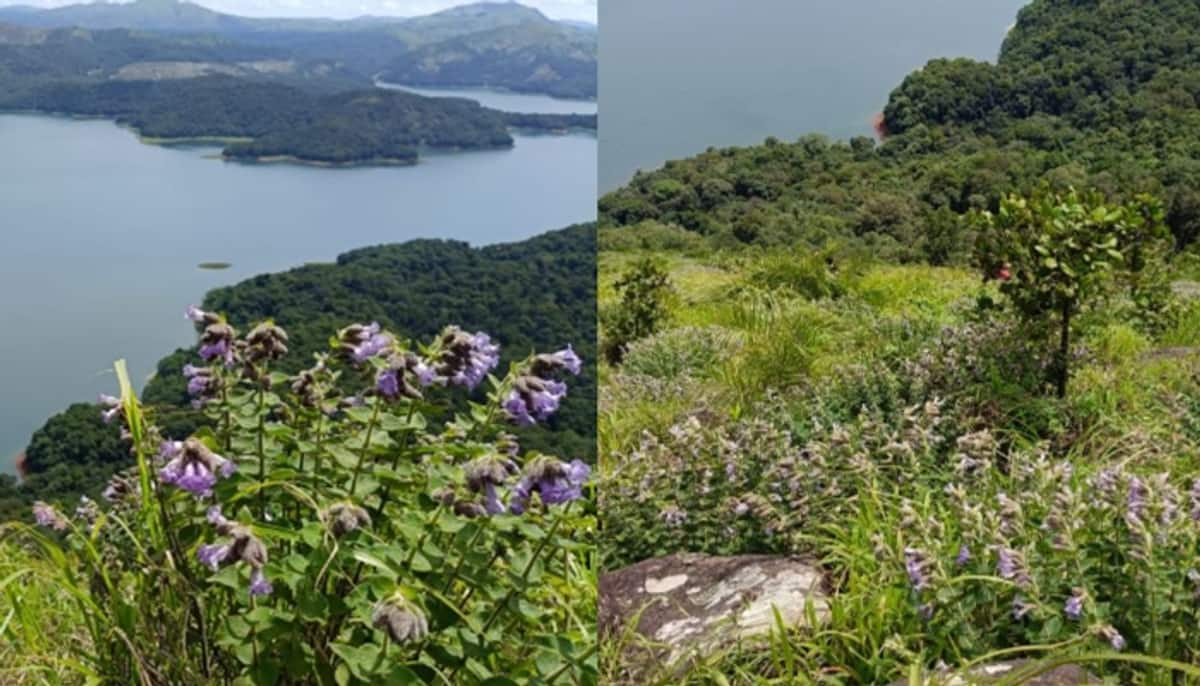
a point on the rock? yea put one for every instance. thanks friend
(1067, 675)
(687, 604)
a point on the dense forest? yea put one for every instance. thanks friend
(501, 45)
(1091, 93)
(536, 294)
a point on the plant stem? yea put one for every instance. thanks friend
(362, 457)
(262, 453)
(462, 558)
(525, 574)
(1064, 350)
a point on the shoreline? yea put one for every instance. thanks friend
(223, 141)
(302, 162)
(380, 83)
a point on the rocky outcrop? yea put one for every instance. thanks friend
(686, 605)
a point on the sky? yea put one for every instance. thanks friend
(345, 9)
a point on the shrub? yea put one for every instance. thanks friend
(1056, 253)
(643, 308)
(313, 538)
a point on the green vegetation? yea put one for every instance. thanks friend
(864, 362)
(530, 295)
(264, 97)
(302, 539)
(500, 45)
(1099, 94)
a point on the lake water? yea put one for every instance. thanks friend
(102, 237)
(504, 100)
(677, 76)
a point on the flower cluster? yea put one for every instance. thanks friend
(361, 342)
(112, 408)
(537, 393)
(555, 483)
(241, 545)
(463, 359)
(192, 466)
(49, 517)
(404, 376)
(217, 342)
(344, 518)
(403, 621)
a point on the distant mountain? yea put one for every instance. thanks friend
(536, 56)
(147, 15)
(496, 44)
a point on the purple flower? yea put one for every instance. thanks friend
(1136, 501)
(1020, 608)
(568, 359)
(426, 375)
(915, 564)
(375, 345)
(557, 483)
(964, 555)
(1074, 605)
(196, 314)
(112, 407)
(259, 584)
(215, 517)
(517, 410)
(388, 383)
(193, 467)
(925, 611)
(491, 501)
(1109, 633)
(519, 501)
(533, 400)
(46, 515)
(1006, 566)
(212, 351)
(465, 359)
(213, 555)
(482, 358)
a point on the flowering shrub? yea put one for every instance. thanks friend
(315, 536)
(752, 486)
(1049, 555)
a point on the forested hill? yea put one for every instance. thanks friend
(504, 45)
(196, 87)
(1090, 93)
(538, 294)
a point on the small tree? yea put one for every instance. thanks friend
(644, 290)
(1054, 253)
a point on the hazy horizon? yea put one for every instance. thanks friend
(573, 10)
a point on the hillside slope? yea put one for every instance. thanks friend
(535, 294)
(1101, 93)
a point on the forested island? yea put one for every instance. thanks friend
(266, 94)
(523, 294)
